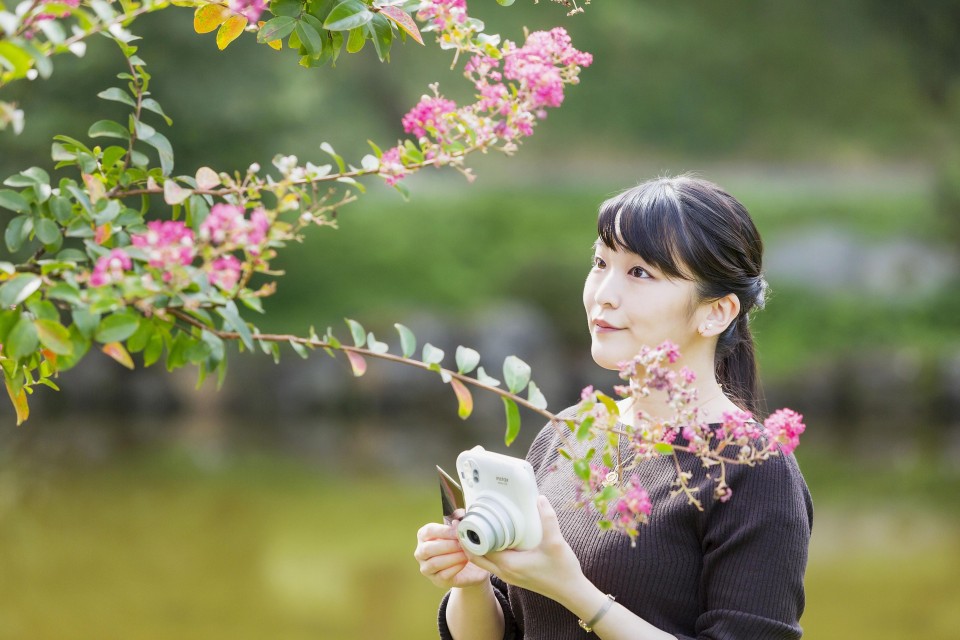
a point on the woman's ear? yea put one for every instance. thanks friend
(719, 315)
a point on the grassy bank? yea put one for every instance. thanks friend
(155, 546)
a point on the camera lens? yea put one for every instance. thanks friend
(473, 537)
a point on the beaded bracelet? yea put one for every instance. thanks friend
(588, 626)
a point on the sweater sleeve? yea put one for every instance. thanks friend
(755, 554)
(510, 629)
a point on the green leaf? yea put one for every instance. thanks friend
(117, 95)
(347, 15)
(276, 29)
(54, 336)
(535, 396)
(13, 201)
(61, 209)
(356, 39)
(581, 467)
(408, 341)
(22, 340)
(117, 327)
(483, 378)
(19, 288)
(516, 372)
(467, 359)
(309, 38)
(86, 321)
(513, 420)
(64, 291)
(152, 105)
(231, 318)
(159, 142)
(108, 129)
(285, 7)
(584, 429)
(358, 332)
(153, 349)
(138, 341)
(381, 33)
(609, 403)
(376, 346)
(663, 448)
(18, 230)
(48, 232)
(300, 349)
(431, 354)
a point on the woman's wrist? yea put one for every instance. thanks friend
(582, 598)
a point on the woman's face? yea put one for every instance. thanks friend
(630, 304)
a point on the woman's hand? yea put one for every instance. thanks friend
(443, 561)
(550, 569)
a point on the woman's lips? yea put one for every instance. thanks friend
(601, 326)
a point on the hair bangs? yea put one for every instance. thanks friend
(646, 220)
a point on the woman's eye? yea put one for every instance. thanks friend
(639, 272)
(598, 262)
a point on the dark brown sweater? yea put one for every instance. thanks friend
(733, 571)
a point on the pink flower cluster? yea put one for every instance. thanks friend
(224, 272)
(739, 438)
(514, 87)
(444, 13)
(110, 268)
(249, 9)
(391, 166)
(631, 509)
(784, 427)
(432, 116)
(166, 244)
(227, 224)
(538, 66)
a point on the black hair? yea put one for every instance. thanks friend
(690, 228)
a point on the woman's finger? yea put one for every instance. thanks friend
(435, 530)
(435, 547)
(438, 563)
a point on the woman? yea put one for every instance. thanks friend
(678, 259)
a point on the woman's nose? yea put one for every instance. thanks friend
(607, 293)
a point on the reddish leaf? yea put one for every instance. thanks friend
(357, 362)
(209, 17)
(230, 31)
(103, 233)
(463, 395)
(19, 403)
(116, 351)
(403, 20)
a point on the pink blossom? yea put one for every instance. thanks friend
(391, 166)
(633, 506)
(443, 13)
(110, 268)
(784, 427)
(167, 244)
(249, 9)
(225, 271)
(226, 224)
(432, 113)
(587, 393)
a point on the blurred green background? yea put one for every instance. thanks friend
(286, 504)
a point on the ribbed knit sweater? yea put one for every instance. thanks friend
(732, 571)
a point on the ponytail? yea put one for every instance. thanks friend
(736, 366)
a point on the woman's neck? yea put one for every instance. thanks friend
(711, 401)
